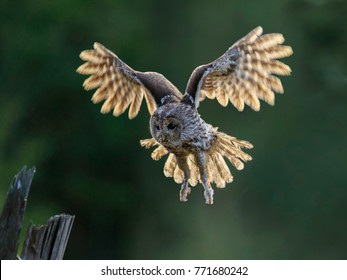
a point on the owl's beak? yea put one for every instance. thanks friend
(162, 138)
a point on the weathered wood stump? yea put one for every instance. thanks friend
(46, 242)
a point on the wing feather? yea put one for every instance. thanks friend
(245, 73)
(121, 87)
(135, 103)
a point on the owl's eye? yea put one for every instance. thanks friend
(171, 126)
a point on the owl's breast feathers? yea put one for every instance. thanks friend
(200, 137)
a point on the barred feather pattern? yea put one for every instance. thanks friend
(116, 83)
(245, 73)
(218, 172)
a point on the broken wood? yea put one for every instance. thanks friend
(45, 242)
(12, 215)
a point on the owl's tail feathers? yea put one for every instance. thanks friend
(231, 148)
(217, 169)
(171, 168)
(159, 152)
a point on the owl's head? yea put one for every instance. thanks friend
(166, 128)
(169, 124)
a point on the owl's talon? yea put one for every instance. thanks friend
(208, 193)
(185, 191)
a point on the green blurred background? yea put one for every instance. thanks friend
(290, 202)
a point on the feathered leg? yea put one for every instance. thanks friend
(201, 162)
(185, 189)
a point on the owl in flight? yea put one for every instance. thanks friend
(196, 150)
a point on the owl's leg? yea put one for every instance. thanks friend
(201, 162)
(185, 189)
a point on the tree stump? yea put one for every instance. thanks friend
(46, 242)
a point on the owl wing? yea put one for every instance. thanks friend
(121, 87)
(244, 73)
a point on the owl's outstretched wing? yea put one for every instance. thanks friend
(121, 87)
(244, 73)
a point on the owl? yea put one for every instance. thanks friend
(243, 75)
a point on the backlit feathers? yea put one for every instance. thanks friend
(218, 172)
(245, 73)
(116, 83)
